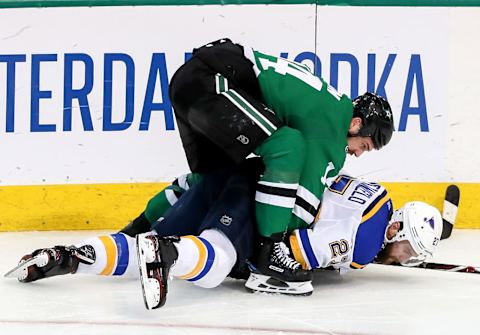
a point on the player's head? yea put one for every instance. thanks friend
(376, 119)
(418, 229)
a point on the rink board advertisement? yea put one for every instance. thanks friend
(98, 93)
(88, 132)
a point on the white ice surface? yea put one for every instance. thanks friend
(376, 300)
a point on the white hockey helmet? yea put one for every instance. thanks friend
(421, 225)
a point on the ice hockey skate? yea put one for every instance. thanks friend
(276, 272)
(44, 263)
(156, 255)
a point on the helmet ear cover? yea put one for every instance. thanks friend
(377, 119)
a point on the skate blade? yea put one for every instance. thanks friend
(148, 297)
(20, 269)
(260, 283)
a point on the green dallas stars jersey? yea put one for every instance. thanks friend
(300, 157)
(306, 152)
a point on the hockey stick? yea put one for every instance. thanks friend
(446, 267)
(450, 209)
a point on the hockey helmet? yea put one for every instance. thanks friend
(421, 225)
(377, 118)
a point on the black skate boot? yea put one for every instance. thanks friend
(138, 226)
(156, 255)
(44, 263)
(276, 272)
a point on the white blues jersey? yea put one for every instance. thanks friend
(351, 227)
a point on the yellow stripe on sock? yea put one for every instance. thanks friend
(297, 252)
(111, 250)
(201, 259)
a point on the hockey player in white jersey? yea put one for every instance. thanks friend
(353, 225)
(356, 221)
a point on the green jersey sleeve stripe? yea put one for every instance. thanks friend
(171, 197)
(304, 193)
(303, 214)
(292, 186)
(275, 200)
(182, 182)
(255, 112)
(221, 83)
(242, 108)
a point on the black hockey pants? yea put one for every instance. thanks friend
(218, 107)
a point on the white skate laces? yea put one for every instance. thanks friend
(261, 282)
(281, 255)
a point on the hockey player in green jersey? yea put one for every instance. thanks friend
(231, 101)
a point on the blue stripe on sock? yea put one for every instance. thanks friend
(307, 247)
(208, 263)
(122, 254)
